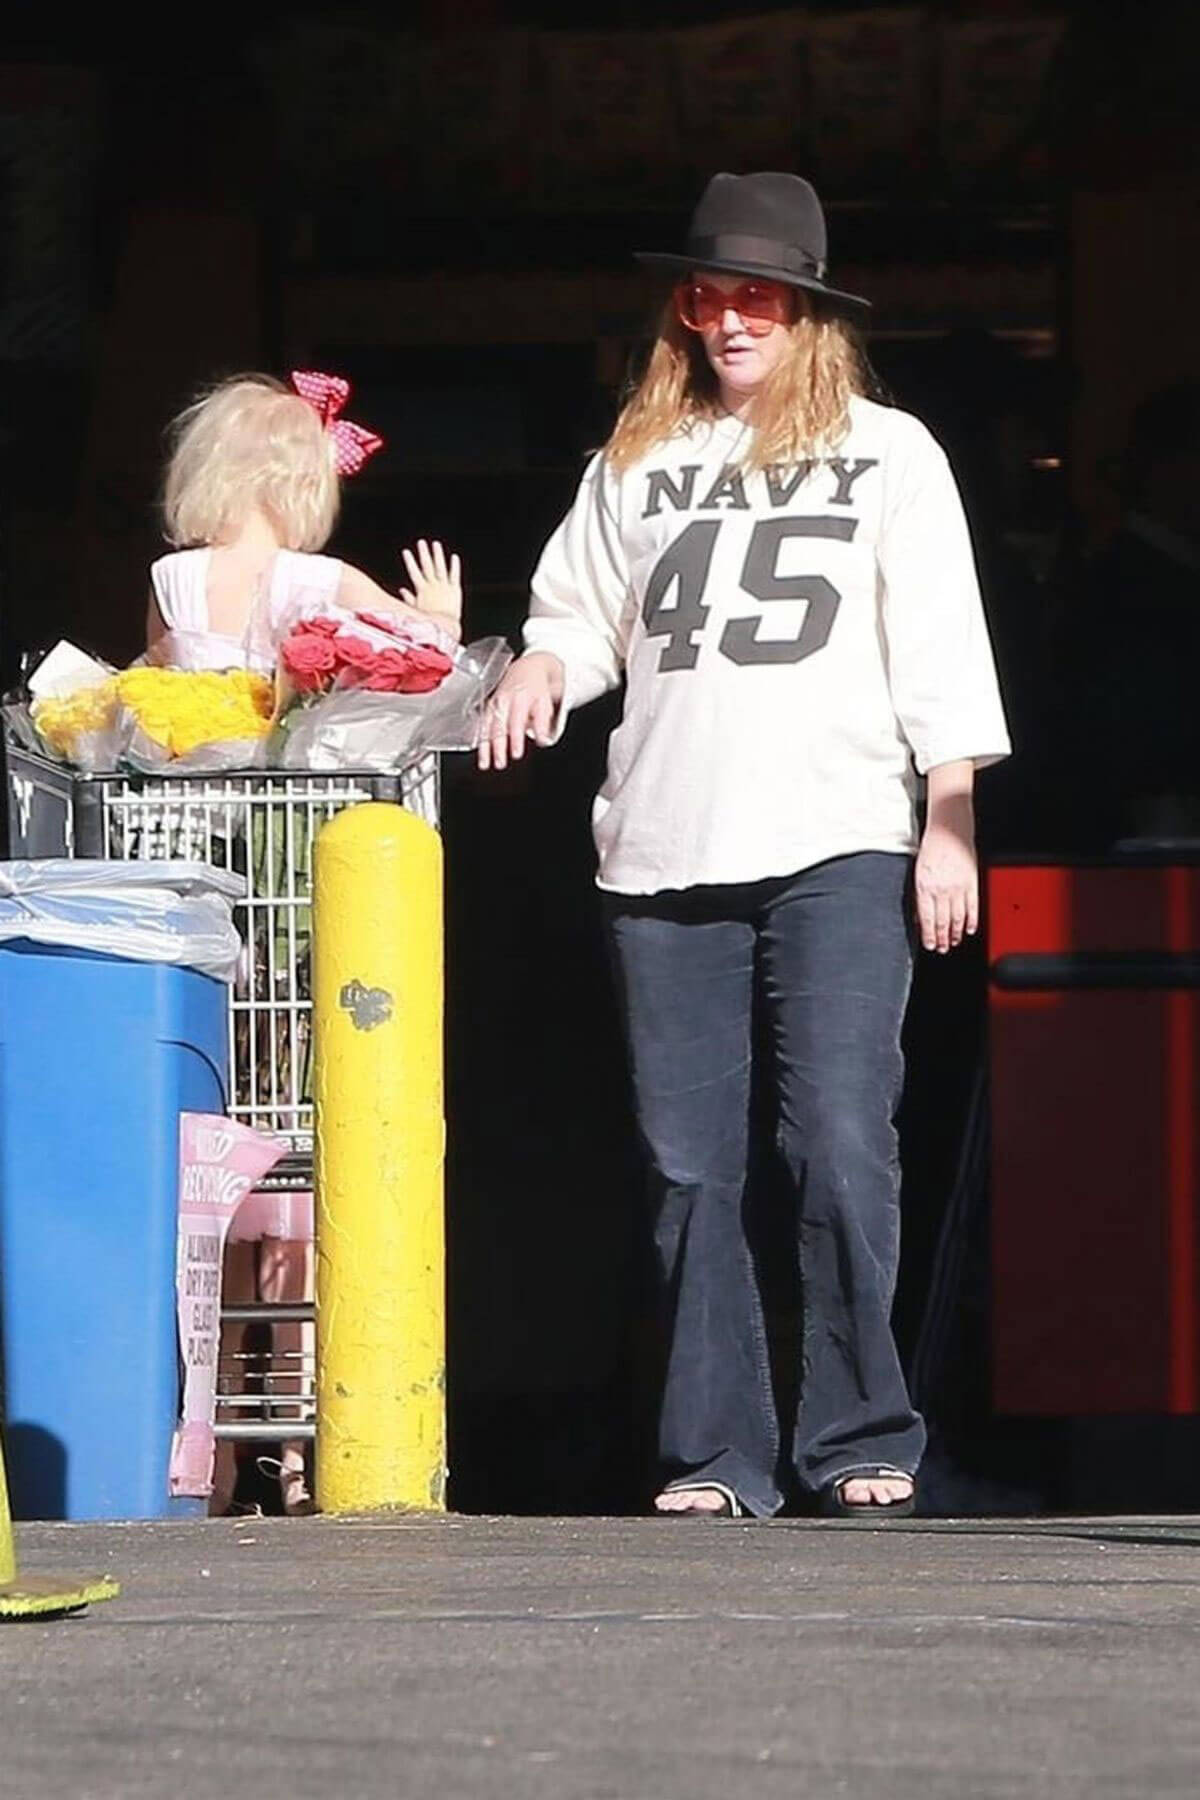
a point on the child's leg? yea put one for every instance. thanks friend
(285, 1272)
(239, 1282)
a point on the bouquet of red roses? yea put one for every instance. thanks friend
(370, 691)
(362, 650)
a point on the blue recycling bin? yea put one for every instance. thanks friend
(98, 1058)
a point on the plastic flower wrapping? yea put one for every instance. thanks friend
(368, 691)
(351, 691)
(152, 718)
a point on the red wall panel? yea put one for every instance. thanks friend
(1095, 1092)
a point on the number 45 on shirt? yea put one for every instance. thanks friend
(688, 562)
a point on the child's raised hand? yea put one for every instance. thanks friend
(436, 585)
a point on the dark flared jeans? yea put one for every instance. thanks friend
(824, 960)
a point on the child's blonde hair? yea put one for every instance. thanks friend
(250, 441)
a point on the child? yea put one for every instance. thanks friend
(251, 498)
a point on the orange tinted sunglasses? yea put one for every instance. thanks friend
(758, 304)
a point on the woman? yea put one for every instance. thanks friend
(780, 570)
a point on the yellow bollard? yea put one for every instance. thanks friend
(41, 1594)
(378, 1154)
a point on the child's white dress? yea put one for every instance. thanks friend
(180, 584)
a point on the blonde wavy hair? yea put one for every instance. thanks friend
(250, 441)
(802, 407)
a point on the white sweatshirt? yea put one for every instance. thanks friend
(798, 645)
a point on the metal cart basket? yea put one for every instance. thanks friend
(261, 824)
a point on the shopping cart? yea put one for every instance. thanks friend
(262, 825)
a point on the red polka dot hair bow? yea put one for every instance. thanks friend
(352, 444)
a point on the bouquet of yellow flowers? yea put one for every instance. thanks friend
(77, 726)
(206, 718)
(153, 718)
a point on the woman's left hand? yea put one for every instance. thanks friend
(947, 871)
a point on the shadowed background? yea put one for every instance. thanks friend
(441, 202)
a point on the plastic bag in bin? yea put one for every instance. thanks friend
(167, 912)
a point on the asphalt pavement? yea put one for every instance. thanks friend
(610, 1659)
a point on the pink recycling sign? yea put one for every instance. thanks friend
(219, 1163)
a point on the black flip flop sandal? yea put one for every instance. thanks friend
(730, 1508)
(834, 1505)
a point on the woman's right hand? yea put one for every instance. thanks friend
(522, 707)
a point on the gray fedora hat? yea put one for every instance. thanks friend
(769, 224)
